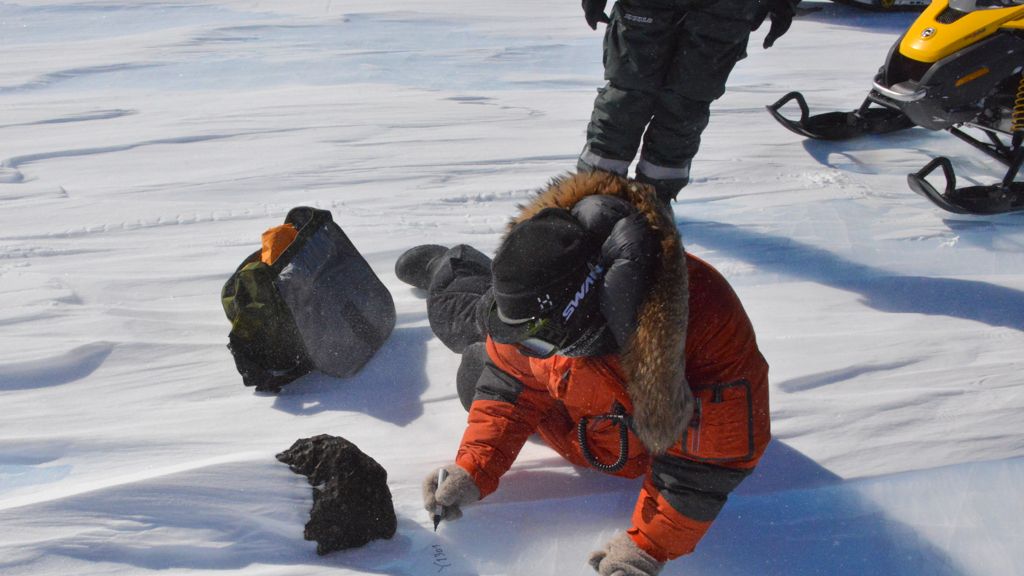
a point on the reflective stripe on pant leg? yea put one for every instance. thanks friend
(655, 172)
(667, 180)
(590, 160)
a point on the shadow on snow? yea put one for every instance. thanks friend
(881, 289)
(389, 387)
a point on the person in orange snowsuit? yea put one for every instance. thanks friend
(593, 328)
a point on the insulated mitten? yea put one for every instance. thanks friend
(593, 10)
(622, 557)
(781, 13)
(457, 490)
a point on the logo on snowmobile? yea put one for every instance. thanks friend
(928, 32)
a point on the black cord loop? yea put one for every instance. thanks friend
(618, 416)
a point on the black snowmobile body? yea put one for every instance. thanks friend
(886, 5)
(959, 66)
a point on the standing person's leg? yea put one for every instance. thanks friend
(710, 42)
(638, 48)
(671, 143)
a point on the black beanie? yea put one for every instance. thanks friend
(541, 265)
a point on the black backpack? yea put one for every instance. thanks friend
(319, 306)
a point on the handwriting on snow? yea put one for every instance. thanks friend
(440, 558)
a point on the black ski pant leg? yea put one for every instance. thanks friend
(710, 41)
(639, 44)
(457, 290)
(616, 126)
(460, 281)
(671, 142)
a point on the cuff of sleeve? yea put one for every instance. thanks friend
(643, 543)
(484, 481)
(662, 532)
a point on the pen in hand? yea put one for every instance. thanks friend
(439, 509)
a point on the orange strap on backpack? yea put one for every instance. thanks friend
(275, 241)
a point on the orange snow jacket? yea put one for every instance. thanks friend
(687, 479)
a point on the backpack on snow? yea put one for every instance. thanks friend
(306, 301)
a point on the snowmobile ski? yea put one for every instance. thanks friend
(1007, 196)
(957, 67)
(839, 125)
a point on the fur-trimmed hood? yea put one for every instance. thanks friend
(653, 358)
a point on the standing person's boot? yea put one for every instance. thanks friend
(667, 181)
(666, 190)
(590, 161)
(416, 266)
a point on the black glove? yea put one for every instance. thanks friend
(781, 12)
(594, 12)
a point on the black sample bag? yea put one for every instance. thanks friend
(319, 306)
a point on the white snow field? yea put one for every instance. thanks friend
(146, 145)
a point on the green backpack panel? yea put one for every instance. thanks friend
(264, 339)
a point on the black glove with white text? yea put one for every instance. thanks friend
(781, 13)
(594, 12)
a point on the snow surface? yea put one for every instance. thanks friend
(144, 146)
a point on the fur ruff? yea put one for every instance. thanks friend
(654, 358)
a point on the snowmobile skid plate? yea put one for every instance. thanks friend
(839, 125)
(982, 200)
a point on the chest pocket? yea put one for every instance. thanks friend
(598, 407)
(722, 429)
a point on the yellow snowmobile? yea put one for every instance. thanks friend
(959, 66)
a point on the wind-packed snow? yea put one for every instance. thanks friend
(144, 147)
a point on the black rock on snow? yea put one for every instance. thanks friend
(351, 500)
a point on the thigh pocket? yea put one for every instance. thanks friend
(709, 50)
(638, 46)
(722, 429)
